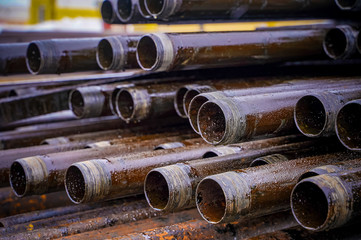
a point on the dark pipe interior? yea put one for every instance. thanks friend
(156, 189)
(335, 43)
(147, 52)
(107, 12)
(77, 103)
(258, 162)
(142, 8)
(194, 108)
(209, 154)
(155, 6)
(125, 8)
(309, 205)
(179, 100)
(307, 175)
(349, 125)
(75, 184)
(105, 54)
(346, 3)
(125, 106)
(33, 57)
(188, 98)
(310, 115)
(211, 201)
(18, 178)
(212, 122)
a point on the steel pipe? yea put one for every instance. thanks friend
(108, 11)
(12, 58)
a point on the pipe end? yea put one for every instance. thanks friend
(125, 10)
(349, 5)
(111, 53)
(86, 102)
(270, 159)
(222, 151)
(107, 12)
(193, 92)
(339, 42)
(34, 58)
(170, 145)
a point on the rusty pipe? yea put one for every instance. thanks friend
(327, 201)
(12, 58)
(173, 187)
(62, 55)
(270, 86)
(235, 195)
(45, 173)
(172, 51)
(168, 9)
(315, 114)
(348, 128)
(340, 42)
(108, 12)
(349, 5)
(117, 52)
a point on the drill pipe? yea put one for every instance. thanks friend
(12, 58)
(199, 229)
(172, 51)
(12, 205)
(173, 187)
(349, 5)
(327, 201)
(135, 104)
(117, 52)
(119, 176)
(315, 114)
(41, 174)
(200, 98)
(254, 191)
(334, 168)
(108, 12)
(231, 9)
(62, 55)
(348, 127)
(340, 42)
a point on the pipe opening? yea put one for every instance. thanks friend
(211, 202)
(142, 9)
(188, 97)
(125, 8)
(155, 6)
(346, 4)
(310, 116)
(105, 54)
(211, 122)
(348, 125)
(107, 12)
(125, 104)
(33, 58)
(77, 103)
(75, 184)
(210, 154)
(258, 162)
(147, 52)
(156, 190)
(1, 225)
(307, 175)
(309, 205)
(193, 109)
(178, 103)
(18, 179)
(335, 43)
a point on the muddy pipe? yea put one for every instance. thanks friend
(45, 173)
(200, 98)
(108, 12)
(348, 127)
(117, 52)
(315, 114)
(174, 51)
(340, 42)
(62, 55)
(235, 195)
(12, 58)
(327, 201)
(349, 5)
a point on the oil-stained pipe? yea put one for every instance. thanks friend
(173, 187)
(139, 103)
(315, 114)
(253, 88)
(349, 5)
(172, 51)
(62, 55)
(108, 12)
(340, 42)
(348, 127)
(12, 58)
(327, 201)
(168, 9)
(334, 168)
(234, 195)
(45, 173)
(117, 52)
